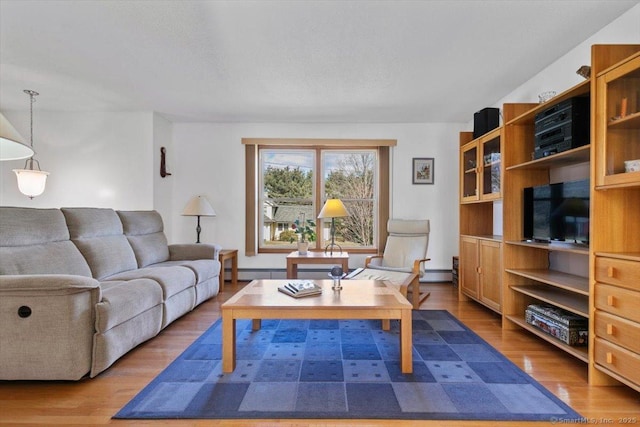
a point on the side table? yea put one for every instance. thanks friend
(224, 255)
(294, 258)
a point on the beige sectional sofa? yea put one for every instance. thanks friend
(80, 287)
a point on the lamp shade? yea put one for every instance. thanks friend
(31, 182)
(333, 208)
(12, 146)
(198, 206)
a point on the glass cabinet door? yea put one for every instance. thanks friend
(469, 168)
(491, 162)
(618, 109)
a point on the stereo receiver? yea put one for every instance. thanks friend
(561, 127)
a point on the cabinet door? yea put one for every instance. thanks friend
(490, 171)
(469, 266)
(469, 170)
(490, 274)
(618, 125)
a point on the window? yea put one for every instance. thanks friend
(289, 180)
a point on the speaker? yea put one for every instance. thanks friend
(485, 120)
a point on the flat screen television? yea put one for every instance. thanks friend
(557, 212)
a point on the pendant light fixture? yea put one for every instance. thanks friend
(31, 182)
(12, 146)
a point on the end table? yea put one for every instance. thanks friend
(224, 255)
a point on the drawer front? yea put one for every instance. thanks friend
(618, 360)
(618, 301)
(618, 331)
(618, 272)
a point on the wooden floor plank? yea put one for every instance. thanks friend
(94, 401)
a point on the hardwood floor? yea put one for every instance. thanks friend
(95, 401)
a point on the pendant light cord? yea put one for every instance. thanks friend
(32, 94)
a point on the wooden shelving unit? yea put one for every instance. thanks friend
(615, 246)
(570, 282)
(606, 286)
(581, 353)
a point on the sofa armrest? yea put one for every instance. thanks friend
(193, 251)
(47, 323)
(47, 284)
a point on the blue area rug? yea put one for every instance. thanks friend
(302, 369)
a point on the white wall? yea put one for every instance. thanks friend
(561, 75)
(95, 159)
(209, 160)
(163, 187)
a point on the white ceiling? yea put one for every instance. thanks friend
(285, 61)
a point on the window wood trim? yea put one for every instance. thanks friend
(251, 170)
(306, 142)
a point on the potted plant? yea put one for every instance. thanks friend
(304, 228)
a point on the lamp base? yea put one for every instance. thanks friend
(330, 246)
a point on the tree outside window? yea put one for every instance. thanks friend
(294, 184)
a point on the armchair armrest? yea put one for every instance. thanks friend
(193, 251)
(416, 265)
(372, 260)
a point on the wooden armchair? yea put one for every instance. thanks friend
(404, 252)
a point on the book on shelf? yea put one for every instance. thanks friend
(299, 289)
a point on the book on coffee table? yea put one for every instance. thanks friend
(299, 289)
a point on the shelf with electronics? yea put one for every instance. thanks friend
(598, 278)
(536, 272)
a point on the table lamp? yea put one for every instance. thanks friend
(198, 206)
(333, 208)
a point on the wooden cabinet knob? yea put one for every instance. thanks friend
(609, 357)
(610, 300)
(479, 270)
(610, 272)
(610, 329)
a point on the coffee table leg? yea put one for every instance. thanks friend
(406, 329)
(256, 324)
(228, 341)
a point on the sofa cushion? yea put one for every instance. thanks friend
(172, 279)
(204, 269)
(124, 300)
(145, 232)
(98, 234)
(36, 241)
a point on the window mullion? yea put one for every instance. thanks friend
(318, 194)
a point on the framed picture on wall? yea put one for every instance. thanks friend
(423, 170)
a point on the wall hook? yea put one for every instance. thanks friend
(163, 162)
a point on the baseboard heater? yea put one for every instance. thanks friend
(248, 274)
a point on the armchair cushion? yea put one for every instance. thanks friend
(408, 241)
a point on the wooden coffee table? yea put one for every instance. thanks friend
(359, 299)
